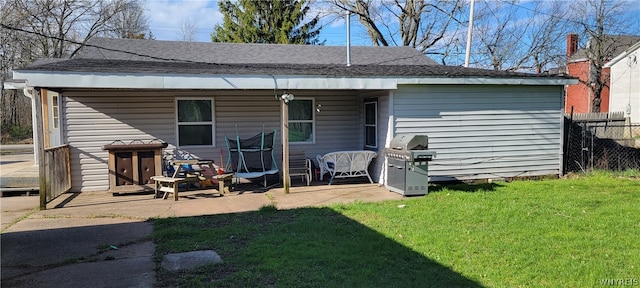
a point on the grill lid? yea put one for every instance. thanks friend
(409, 147)
(409, 142)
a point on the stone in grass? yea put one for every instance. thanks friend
(188, 260)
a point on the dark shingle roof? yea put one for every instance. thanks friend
(172, 67)
(234, 53)
(614, 45)
(126, 56)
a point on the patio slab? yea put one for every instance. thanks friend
(73, 237)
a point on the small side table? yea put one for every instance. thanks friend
(224, 182)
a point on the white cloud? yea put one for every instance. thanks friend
(166, 17)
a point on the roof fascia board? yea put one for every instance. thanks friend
(139, 81)
(487, 81)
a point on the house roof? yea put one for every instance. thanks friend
(624, 55)
(243, 53)
(128, 63)
(616, 44)
(203, 68)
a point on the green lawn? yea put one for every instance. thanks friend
(548, 233)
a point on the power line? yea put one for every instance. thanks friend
(4, 26)
(593, 26)
(99, 47)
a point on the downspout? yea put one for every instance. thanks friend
(28, 92)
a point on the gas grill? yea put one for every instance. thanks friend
(407, 170)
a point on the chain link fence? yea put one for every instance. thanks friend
(601, 145)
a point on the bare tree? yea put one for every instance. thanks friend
(57, 29)
(416, 23)
(600, 20)
(513, 37)
(187, 30)
(496, 33)
(33, 29)
(129, 22)
(544, 49)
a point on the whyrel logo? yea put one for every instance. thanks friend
(619, 282)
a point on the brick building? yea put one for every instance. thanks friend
(579, 96)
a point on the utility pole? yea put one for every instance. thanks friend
(469, 32)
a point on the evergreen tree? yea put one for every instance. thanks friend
(266, 21)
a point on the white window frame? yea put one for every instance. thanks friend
(212, 122)
(55, 111)
(374, 125)
(312, 121)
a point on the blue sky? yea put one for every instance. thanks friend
(166, 17)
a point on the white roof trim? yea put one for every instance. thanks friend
(256, 82)
(161, 81)
(488, 81)
(15, 84)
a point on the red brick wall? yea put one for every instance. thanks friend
(579, 95)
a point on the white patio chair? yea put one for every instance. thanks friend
(346, 164)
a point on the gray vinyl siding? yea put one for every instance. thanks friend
(477, 131)
(481, 132)
(335, 123)
(95, 118)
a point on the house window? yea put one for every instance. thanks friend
(55, 109)
(301, 121)
(194, 122)
(370, 124)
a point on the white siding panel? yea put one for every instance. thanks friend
(484, 131)
(625, 88)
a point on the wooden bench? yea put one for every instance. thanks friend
(171, 185)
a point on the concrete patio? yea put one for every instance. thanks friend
(69, 243)
(206, 202)
(64, 246)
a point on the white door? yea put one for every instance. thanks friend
(53, 102)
